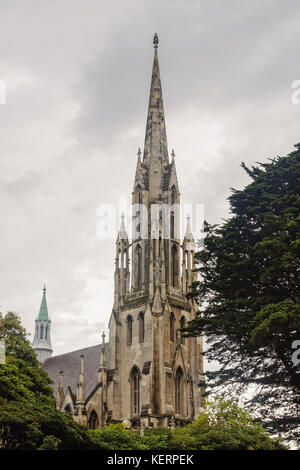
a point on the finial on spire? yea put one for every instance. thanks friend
(188, 225)
(82, 365)
(122, 228)
(44, 290)
(122, 231)
(102, 357)
(173, 155)
(188, 232)
(61, 377)
(139, 153)
(155, 41)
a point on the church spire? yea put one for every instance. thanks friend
(188, 231)
(156, 147)
(43, 313)
(122, 232)
(42, 341)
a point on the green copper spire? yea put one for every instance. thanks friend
(43, 313)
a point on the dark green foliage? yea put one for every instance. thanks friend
(223, 425)
(249, 293)
(50, 443)
(158, 438)
(27, 407)
(116, 436)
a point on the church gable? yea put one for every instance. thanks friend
(141, 177)
(69, 402)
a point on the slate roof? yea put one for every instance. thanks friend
(69, 363)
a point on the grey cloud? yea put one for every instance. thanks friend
(78, 77)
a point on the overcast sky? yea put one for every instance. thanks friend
(78, 78)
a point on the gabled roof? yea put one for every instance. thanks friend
(70, 365)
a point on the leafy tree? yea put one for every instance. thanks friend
(249, 293)
(117, 437)
(157, 438)
(224, 426)
(27, 408)
(50, 443)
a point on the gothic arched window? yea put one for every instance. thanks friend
(119, 259)
(139, 196)
(93, 421)
(135, 379)
(178, 391)
(129, 330)
(141, 327)
(46, 332)
(172, 215)
(173, 195)
(182, 325)
(42, 332)
(174, 266)
(138, 252)
(172, 327)
(172, 225)
(68, 409)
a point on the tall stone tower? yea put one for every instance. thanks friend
(42, 340)
(154, 374)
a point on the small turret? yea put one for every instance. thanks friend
(60, 391)
(42, 340)
(122, 275)
(188, 248)
(102, 362)
(80, 411)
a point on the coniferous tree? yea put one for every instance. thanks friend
(249, 293)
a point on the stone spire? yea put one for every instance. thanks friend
(156, 147)
(188, 231)
(188, 262)
(122, 232)
(122, 273)
(42, 339)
